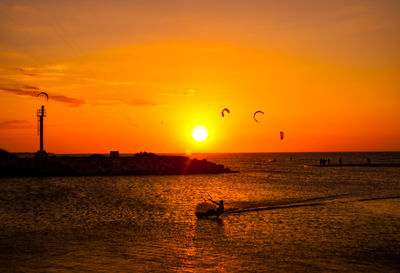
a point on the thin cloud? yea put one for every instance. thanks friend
(73, 102)
(33, 92)
(32, 87)
(25, 69)
(32, 75)
(15, 124)
(54, 67)
(24, 91)
(44, 74)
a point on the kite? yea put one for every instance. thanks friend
(255, 113)
(225, 110)
(43, 93)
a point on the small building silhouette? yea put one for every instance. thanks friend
(115, 162)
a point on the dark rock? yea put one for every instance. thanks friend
(6, 155)
(139, 164)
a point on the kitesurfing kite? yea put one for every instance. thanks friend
(43, 93)
(255, 113)
(282, 135)
(225, 110)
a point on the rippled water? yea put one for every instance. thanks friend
(281, 217)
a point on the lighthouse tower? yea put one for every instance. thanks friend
(41, 113)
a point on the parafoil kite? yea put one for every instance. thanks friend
(43, 93)
(282, 134)
(225, 110)
(255, 113)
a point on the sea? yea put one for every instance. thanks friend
(282, 215)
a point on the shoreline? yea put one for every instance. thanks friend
(393, 165)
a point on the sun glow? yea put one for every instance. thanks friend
(200, 133)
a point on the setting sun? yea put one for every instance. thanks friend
(199, 133)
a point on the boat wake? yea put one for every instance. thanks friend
(240, 207)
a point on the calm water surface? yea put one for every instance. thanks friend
(282, 217)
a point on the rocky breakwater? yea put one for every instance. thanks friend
(139, 164)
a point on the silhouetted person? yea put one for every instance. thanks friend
(220, 209)
(340, 161)
(369, 161)
(329, 161)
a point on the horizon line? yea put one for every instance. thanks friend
(188, 154)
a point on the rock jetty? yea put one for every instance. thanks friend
(138, 164)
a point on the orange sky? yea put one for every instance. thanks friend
(139, 75)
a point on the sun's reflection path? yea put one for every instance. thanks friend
(203, 249)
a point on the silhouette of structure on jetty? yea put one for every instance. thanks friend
(41, 113)
(138, 164)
